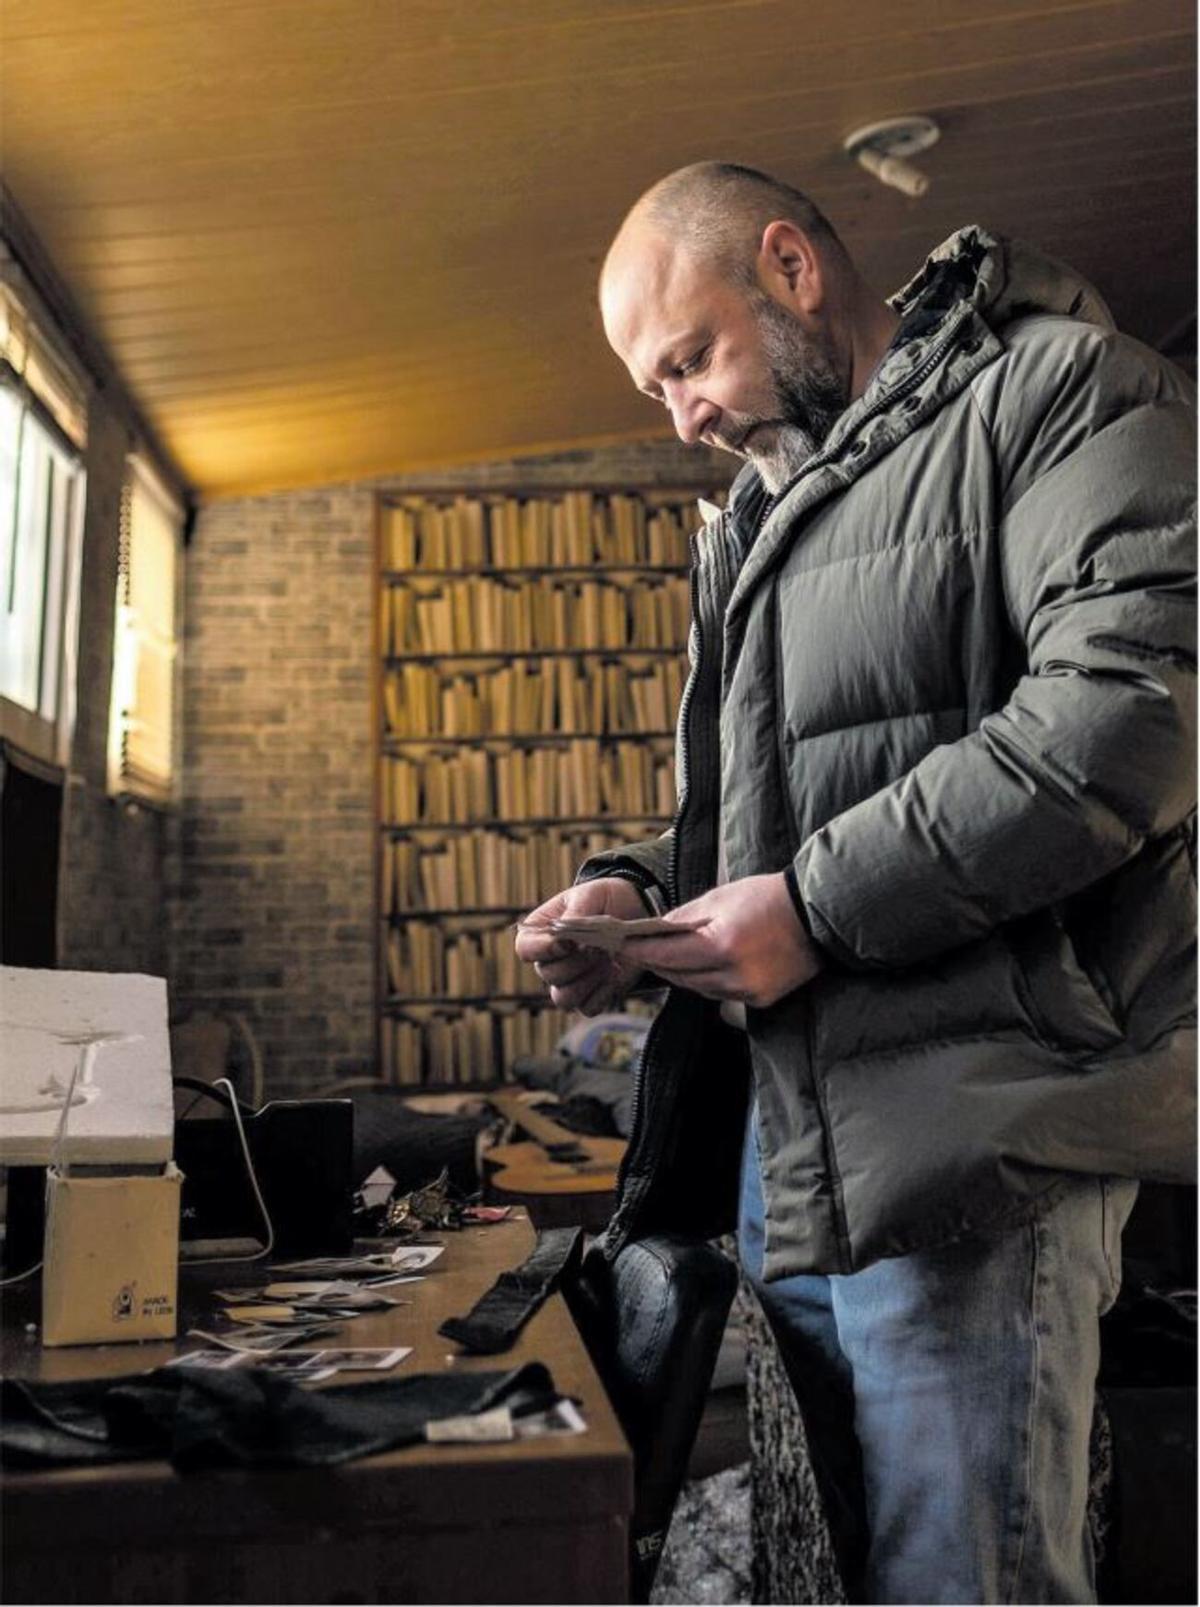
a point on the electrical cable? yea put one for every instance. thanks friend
(56, 1148)
(257, 1255)
(19, 1277)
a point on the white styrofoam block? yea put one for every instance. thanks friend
(121, 1106)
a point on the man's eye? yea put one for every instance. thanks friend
(693, 363)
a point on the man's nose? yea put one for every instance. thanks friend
(691, 415)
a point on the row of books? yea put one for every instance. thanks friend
(470, 1045)
(424, 960)
(571, 527)
(567, 780)
(479, 614)
(490, 869)
(552, 695)
(491, 745)
(455, 785)
(457, 1048)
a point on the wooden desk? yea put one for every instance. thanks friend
(534, 1521)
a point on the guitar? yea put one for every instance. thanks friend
(562, 1177)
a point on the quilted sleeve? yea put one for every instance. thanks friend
(1093, 752)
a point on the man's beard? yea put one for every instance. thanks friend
(811, 394)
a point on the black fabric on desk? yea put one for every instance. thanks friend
(495, 1320)
(414, 1145)
(196, 1417)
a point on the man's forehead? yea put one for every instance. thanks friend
(652, 291)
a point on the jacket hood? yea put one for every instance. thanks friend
(1002, 279)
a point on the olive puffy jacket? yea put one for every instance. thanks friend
(948, 674)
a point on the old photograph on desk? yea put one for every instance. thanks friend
(306, 1365)
(299, 1367)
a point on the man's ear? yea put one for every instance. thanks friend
(790, 268)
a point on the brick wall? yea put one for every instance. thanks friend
(112, 912)
(271, 883)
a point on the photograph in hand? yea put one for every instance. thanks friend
(609, 933)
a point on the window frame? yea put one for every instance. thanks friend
(46, 733)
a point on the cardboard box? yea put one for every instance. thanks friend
(111, 1268)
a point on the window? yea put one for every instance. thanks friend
(142, 723)
(42, 427)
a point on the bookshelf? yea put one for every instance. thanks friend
(532, 653)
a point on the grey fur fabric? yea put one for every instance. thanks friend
(792, 1555)
(707, 1554)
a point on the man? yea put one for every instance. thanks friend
(935, 820)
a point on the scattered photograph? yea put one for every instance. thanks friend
(299, 1369)
(362, 1360)
(215, 1360)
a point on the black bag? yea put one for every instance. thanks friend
(652, 1319)
(302, 1151)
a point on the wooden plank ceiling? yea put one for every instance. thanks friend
(325, 239)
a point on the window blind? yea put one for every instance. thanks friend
(34, 357)
(141, 744)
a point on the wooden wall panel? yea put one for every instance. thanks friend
(324, 240)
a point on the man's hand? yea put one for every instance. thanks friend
(588, 980)
(752, 947)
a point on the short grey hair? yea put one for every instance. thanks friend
(718, 211)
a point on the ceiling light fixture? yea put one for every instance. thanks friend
(884, 149)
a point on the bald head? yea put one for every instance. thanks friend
(730, 300)
(716, 214)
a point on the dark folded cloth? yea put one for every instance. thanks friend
(414, 1145)
(196, 1417)
(594, 1099)
(495, 1320)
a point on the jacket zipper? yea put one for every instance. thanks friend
(685, 789)
(638, 1190)
(819, 459)
(841, 1226)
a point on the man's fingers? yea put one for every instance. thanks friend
(690, 951)
(597, 1000)
(546, 912)
(570, 980)
(603, 992)
(569, 969)
(533, 946)
(574, 996)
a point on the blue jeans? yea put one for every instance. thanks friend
(947, 1396)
